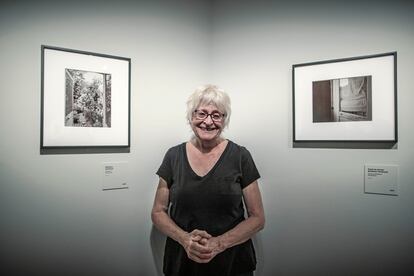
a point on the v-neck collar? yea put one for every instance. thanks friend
(212, 169)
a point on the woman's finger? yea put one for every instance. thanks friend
(199, 248)
(201, 257)
(201, 233)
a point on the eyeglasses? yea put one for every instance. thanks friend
(215, 116)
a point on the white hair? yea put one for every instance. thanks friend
(206, 95)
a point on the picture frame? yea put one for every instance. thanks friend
(85, 99)
(346, 100)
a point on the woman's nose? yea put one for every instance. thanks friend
(208, 120)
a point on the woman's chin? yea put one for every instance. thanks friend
(205, 135)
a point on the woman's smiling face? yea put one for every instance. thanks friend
(207, 129)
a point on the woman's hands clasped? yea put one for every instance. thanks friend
(201, 247)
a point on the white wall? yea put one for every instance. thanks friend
(56, 220)
(319, 221)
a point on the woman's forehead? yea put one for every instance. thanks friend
(207, 106)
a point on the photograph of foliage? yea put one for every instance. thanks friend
(85, 100)
(88, 99)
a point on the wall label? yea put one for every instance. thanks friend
(115, 175)
(381, 179)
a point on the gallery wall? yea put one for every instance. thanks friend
(57, 220)
(319, 221)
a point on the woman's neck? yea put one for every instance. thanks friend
(206, 146)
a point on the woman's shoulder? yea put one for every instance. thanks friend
(178, 146)
(238, 149)
(174, 150)
(236, 146)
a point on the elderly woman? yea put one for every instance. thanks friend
(199, 199)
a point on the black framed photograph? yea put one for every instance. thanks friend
(85, 99)
(349, 99)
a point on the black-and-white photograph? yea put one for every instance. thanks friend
(87, 99)
(342, 100)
